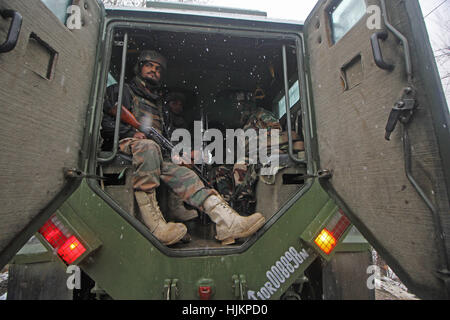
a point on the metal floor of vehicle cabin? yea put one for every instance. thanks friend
(202, 237)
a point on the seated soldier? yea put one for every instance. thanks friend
(142, 98)
(236, 183)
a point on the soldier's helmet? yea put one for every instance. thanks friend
(150, 55)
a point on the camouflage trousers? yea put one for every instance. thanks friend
(150, 169)
(236, 184)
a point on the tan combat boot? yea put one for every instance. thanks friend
(229, 224)
(177, 211)
(167, 233)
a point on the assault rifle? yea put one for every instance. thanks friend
(151, 133)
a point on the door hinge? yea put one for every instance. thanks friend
(402, 111)
(171, 291)
(73, 173)
(239, 286)
(321, 174)
(300, 178)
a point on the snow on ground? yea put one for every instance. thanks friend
(389, 289)
(387, 284)
(3, 285)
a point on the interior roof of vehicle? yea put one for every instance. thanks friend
(205, 66)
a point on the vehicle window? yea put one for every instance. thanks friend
(111, 80)
(344, 16)
(58, 7)
(294, 97)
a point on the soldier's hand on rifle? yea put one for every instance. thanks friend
(196, 156)
(139, 135)
(239, 171)
(183, 160)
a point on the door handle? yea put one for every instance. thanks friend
(376, 49)
(14, 30)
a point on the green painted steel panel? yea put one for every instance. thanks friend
(129, 266)
(52, 69)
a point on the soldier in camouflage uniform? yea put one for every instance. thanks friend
(237, 183)
(142, 97)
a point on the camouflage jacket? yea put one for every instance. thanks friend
(258, 118)
(145, 105)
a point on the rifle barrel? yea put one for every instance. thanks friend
(153, 134)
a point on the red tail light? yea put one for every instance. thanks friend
(68, 247)
(71, 250)
(327, 240)
(52, 234)
(204, 292)
(341, 226)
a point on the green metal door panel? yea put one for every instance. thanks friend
(128, 266)
(45, 91)
(395, 191)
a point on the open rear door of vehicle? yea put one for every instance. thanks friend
(382, 126)
(46, 76)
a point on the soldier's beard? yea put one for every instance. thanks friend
(152, 82)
